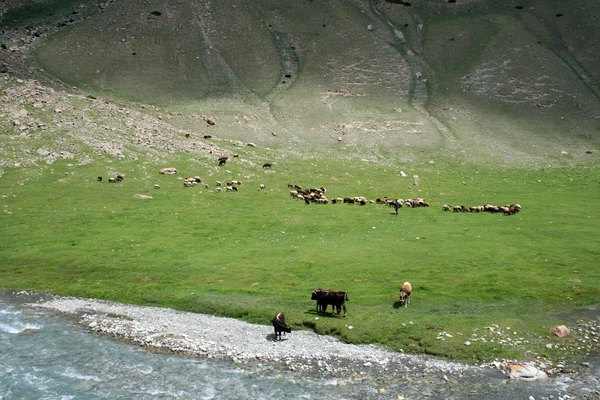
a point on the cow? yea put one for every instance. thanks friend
(326, 297)
(404, 293)
(280, 326)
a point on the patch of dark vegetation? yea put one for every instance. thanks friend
(559, 15)
(309, 324)
(519, 7)
(404, 3)
(156, 13)
(451, 1)
(36, 12)
(331, 331)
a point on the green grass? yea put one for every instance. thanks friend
(253, 253)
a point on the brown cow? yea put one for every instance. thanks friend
(280, 326)
(404, 293)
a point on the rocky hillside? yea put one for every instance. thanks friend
(466, 81)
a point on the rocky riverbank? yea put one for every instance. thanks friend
(253, 347)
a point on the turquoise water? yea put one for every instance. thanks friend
(48, 356)
(44, 356)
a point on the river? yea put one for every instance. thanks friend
(44, 355)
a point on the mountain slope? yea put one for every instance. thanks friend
(467, 81)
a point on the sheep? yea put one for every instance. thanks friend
(156, 186)
(262, 186)
(169, 171)
(446, 207)
(404, 293)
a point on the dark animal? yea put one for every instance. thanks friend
(99, 179)
(267, 165)
(280, 326)
(326, 297)
(223, 160)
(207, 137)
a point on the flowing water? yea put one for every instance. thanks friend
(48, 356)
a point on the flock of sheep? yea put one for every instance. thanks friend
(317, 195)
(508, 209)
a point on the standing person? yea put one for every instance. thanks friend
(396, 206)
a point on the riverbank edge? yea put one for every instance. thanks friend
(252, 346)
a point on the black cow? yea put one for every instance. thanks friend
(326, 297)
(280, 326)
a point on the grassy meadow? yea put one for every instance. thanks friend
(343, 95)
(252, 253)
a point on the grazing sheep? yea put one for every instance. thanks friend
(169, 171)
(219, 183)
(404, 293)
(267, 165)
(218, 190)
(262, 186)
(99, 179)
(156, 186)
(446, 207)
